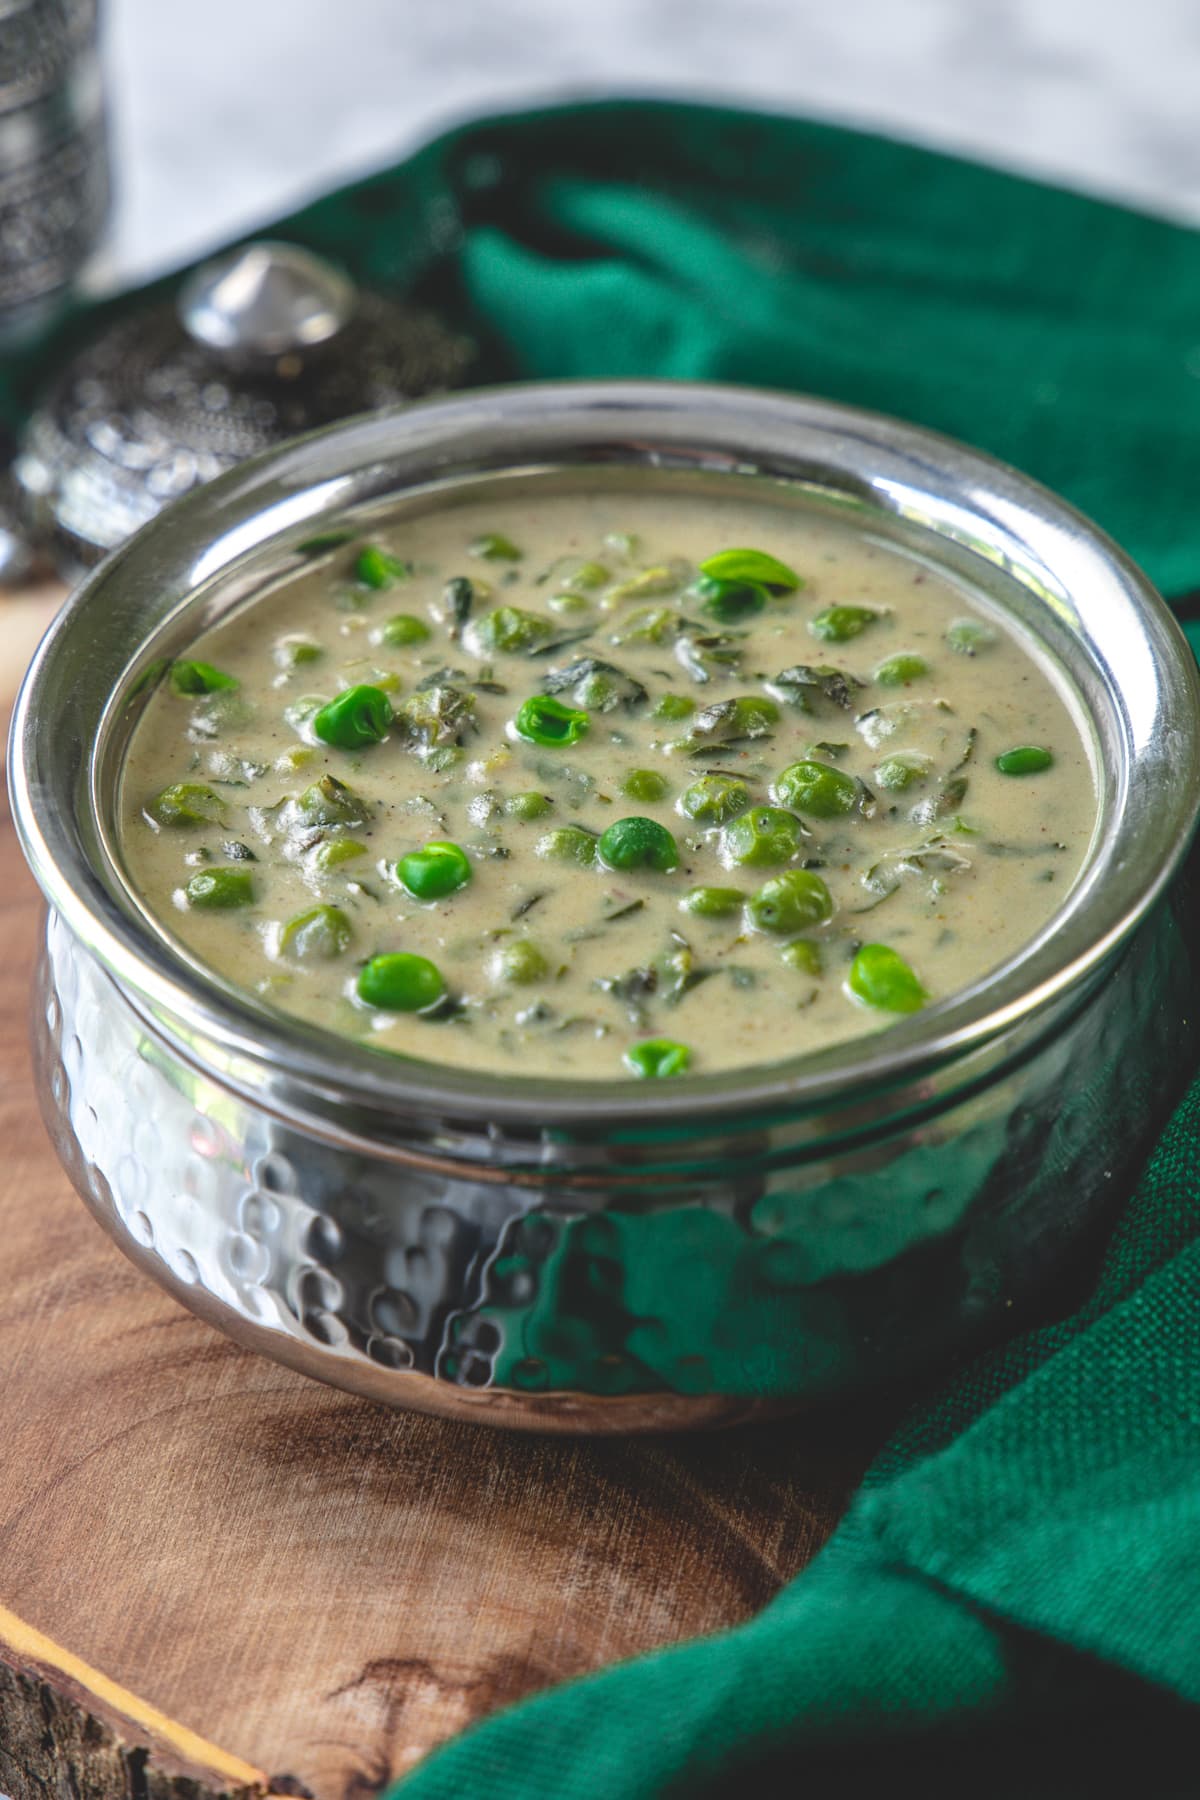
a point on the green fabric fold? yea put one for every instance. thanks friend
(1012, 1604)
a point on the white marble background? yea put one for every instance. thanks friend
(226, 112)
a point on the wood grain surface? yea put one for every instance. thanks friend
(216, 1576)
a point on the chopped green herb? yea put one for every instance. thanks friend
(734, 721)
(805, 683)
(330, 802)
(437, 716)
(752, 565)
(199, 678)
(496, 547)
(378, 568)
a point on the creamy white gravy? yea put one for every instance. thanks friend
(951, 873)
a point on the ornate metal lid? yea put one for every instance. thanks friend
(260, 344)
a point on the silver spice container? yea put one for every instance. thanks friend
(571, 1256)
(54, 184)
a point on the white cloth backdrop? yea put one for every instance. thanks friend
(228, 111)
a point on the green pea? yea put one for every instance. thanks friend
(317, 935)
(527, 805)
(520, 963)
(295, 652)
(880, 977)
(816, 789)
(219, 889)
(655, 1058)
(901, 770)
(761, 837)
(510, 631)
(377, 568)
(712, 902)
(1026, 759)
(400, 982)
(439, 869)
(672, 706)
(199, 678)
(568, 843)
(729, 602)
(185, 805)
(664, 578)
(330, 802)
(729, 722)
(790, 902)
(714, 799)
(496, 547)
(649, 625)
(645, 784)
(544, 720)
(638, 844)
(970, 636)
(403, 630)
(837, 624)
(584, 575)
(804, 955)
(359, 716)
(338, 851)
(752, 565)
(597, 691)
(901, 668)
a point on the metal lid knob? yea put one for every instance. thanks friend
(261, 343)
(265, 302)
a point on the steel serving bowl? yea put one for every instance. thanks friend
(574, 1256)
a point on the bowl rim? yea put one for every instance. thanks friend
(891, 465)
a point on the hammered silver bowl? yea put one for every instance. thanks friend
(617, 1256)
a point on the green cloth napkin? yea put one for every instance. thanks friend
(1012, 1605)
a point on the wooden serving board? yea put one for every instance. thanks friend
(216, 1576)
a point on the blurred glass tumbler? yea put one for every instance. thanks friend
(54, 181)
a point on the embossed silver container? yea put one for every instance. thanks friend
(614, 1257)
